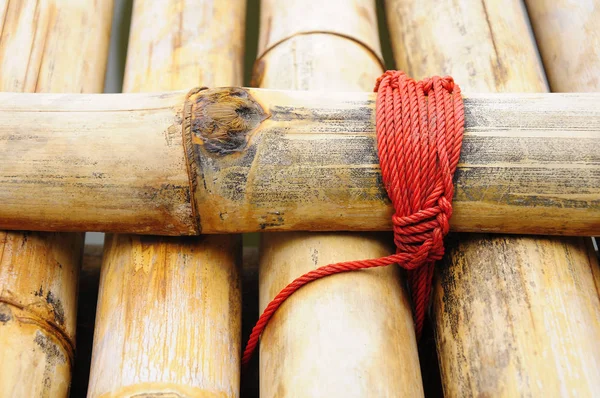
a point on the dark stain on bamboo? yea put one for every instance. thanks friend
(222, 119)
(54, 357)
(57, 308)
(464, 283)
(55, 303)
(5, 313)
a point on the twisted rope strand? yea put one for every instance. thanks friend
(419, 136)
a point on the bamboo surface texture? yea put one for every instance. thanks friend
(514, 316)
(169, 309)
(568, 39)
(275, 160)
(39, 271)
(348, 335)
(297, 52)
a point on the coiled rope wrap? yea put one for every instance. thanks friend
(419, 136)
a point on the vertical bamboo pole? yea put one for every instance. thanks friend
(514, 316)
(348, 335)
(39, 271)
(568, 37)
(168, 319)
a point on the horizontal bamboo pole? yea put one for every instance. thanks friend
(278, 160)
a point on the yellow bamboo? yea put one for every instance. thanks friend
(39, 271)
(282, 160)
(348, 335)
(169, 309)
(568, 38)
(515, 316)
(305, 48)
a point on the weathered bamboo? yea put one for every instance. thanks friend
(283, 161)
(514, 316)
(34, 38)
(38, 286)
(340, 30)
(169, 309)
(582, 63)
(310, 346)
(568, 38)
(39, 271)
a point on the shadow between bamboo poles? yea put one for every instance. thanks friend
(348, 335)
(169, 309)
(514, 315)
(39, 271)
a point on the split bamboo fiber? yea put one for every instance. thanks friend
(283, 161)
(169, 310)
(39, 271)
(349, 335)
(514, 316)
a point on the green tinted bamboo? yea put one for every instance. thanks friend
(321, 341)
(515, 316)
(39, 271)
(169, 309)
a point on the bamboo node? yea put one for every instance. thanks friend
(222, 119)
(48, 329)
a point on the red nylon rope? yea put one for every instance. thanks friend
(419, 135)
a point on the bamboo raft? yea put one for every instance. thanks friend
(187, 150)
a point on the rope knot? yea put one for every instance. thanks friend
(419, 137)
(423, 233)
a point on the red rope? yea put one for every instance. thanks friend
(419, 136)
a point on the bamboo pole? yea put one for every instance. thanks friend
(39, 271)
(319, 43)
(572, 68)
(514, 316)
(310, 346)
(292, 161)
(568, 38)
(169, 310)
